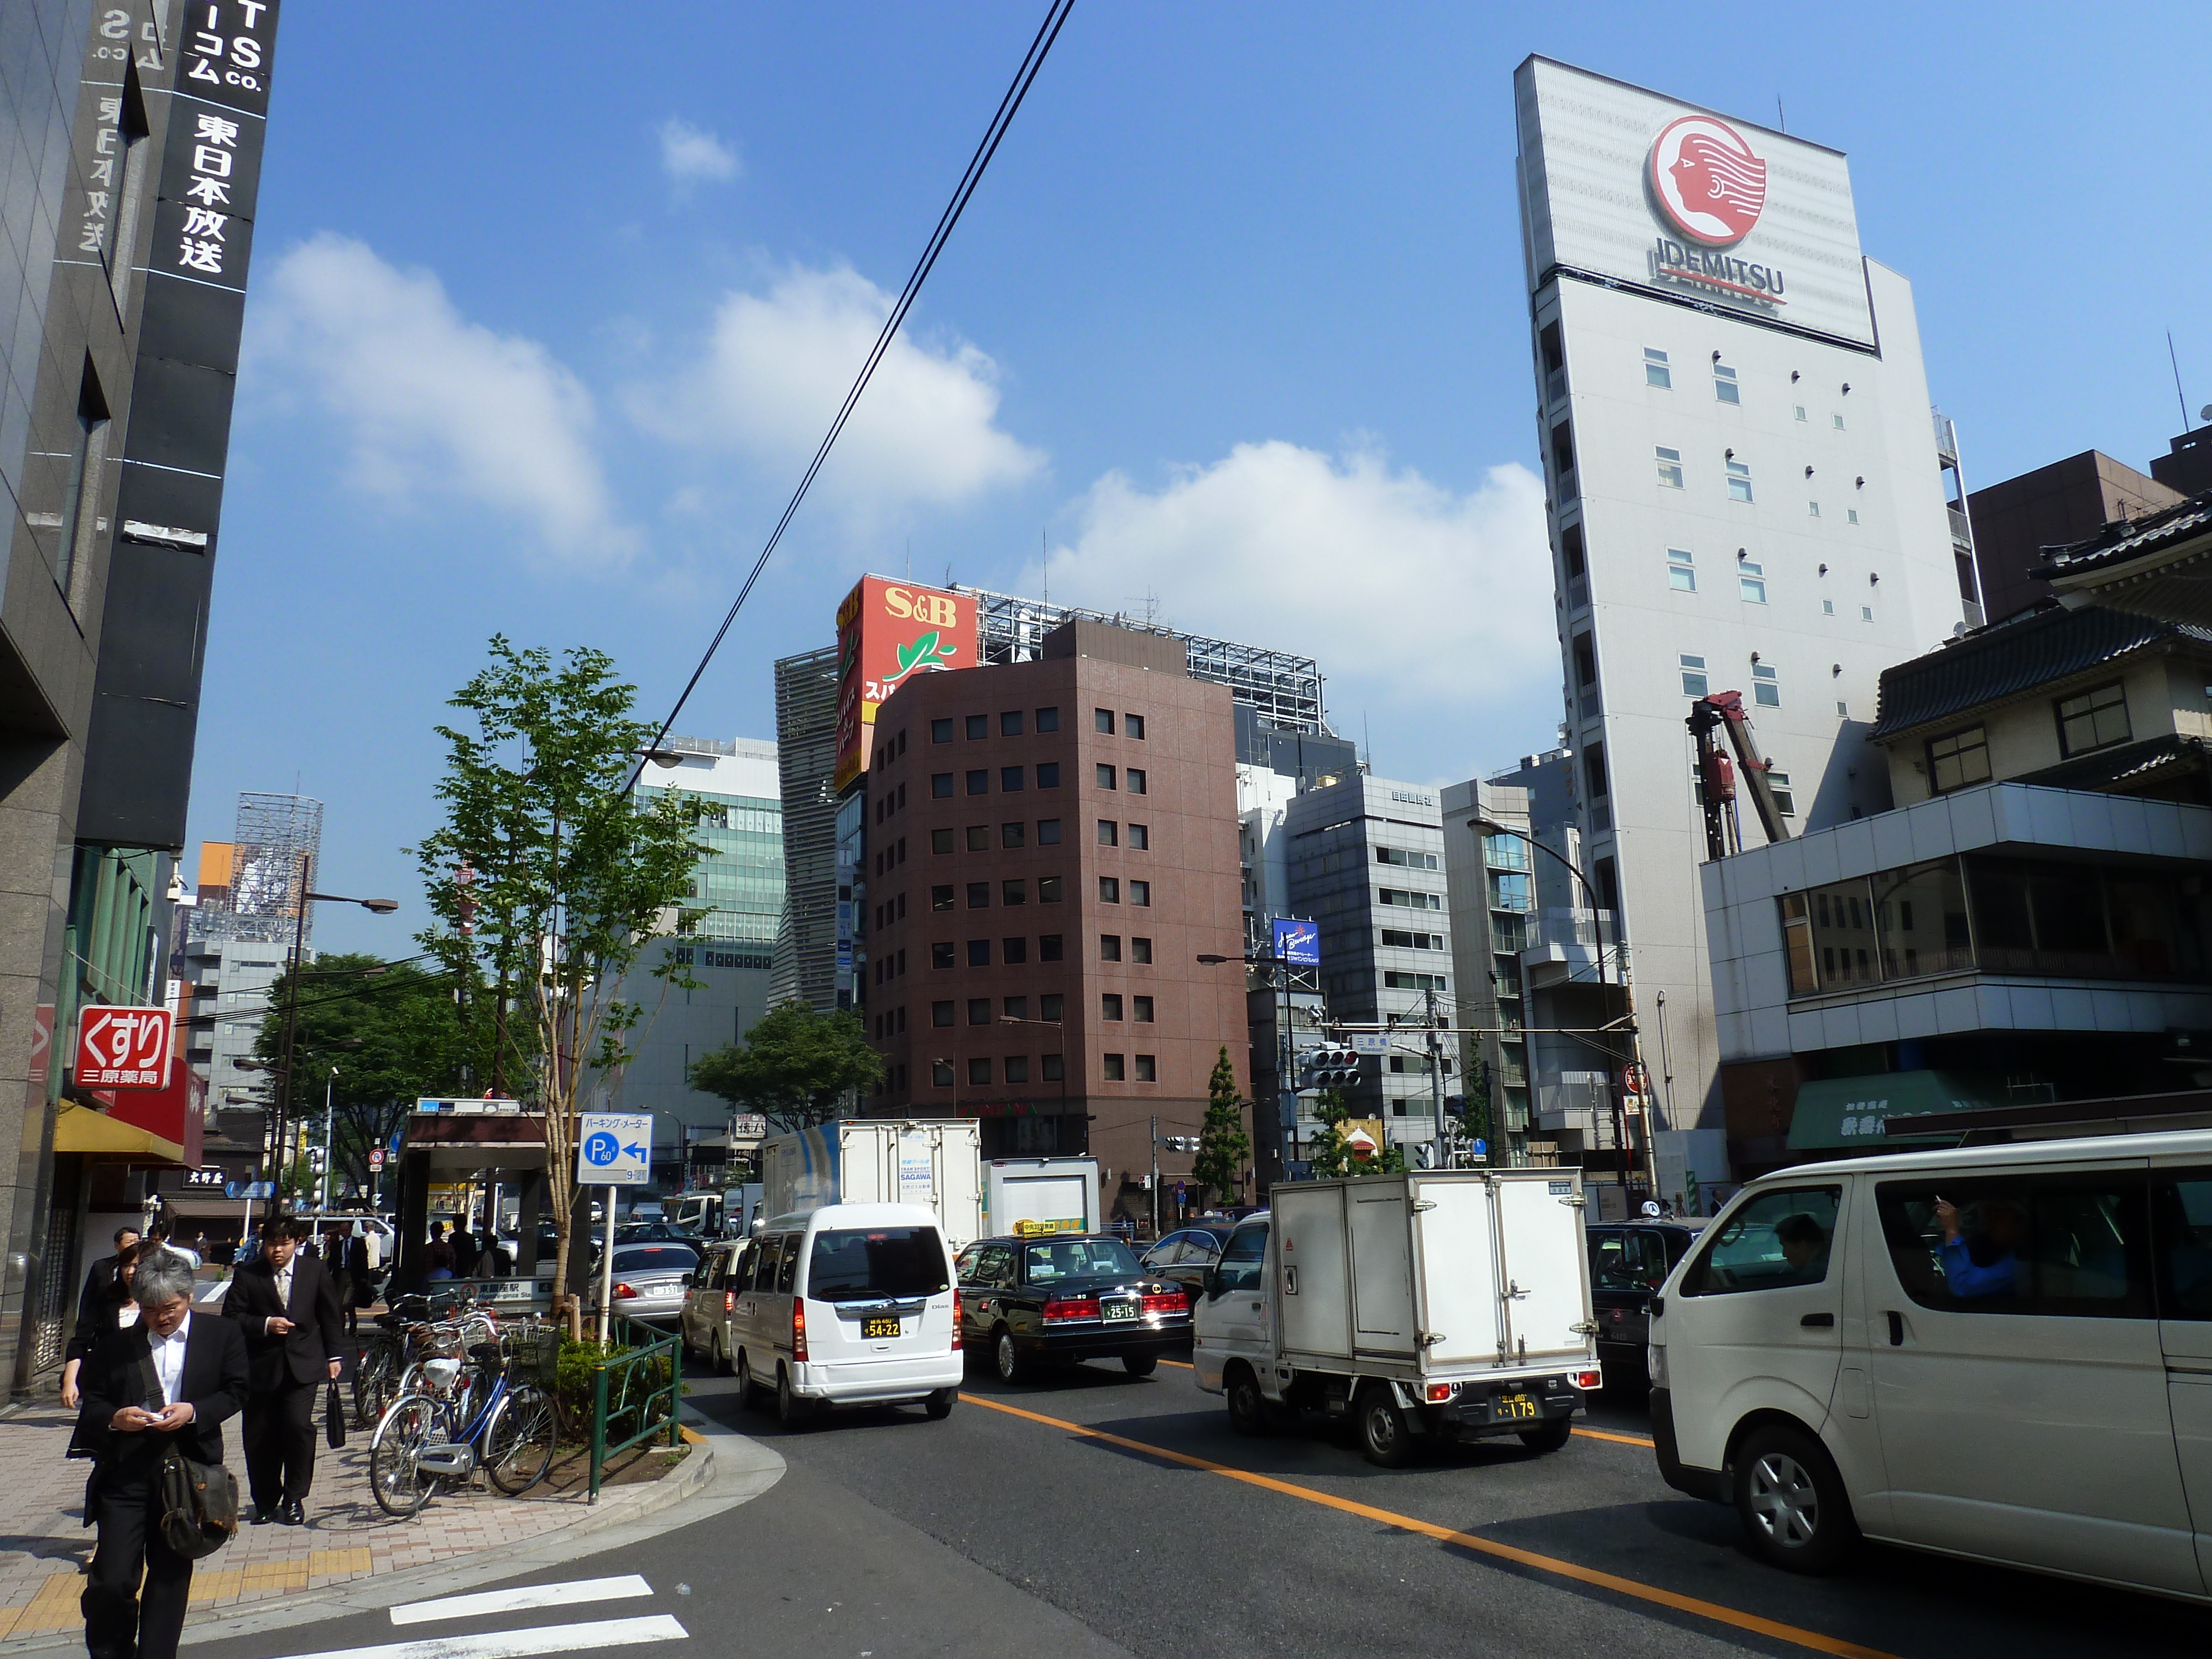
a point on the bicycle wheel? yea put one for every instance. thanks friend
(372, 1380)
(519, 1441)
(410, 1423)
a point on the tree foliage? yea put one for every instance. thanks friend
(794, 1068)
(1331, 1152)
(1223, 1145)
(550, 877)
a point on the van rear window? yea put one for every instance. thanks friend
(860, 1264)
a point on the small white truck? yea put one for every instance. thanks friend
(1032, 1196)
(1443, 1306)
(937, 1163)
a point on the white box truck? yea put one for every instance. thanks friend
(1027, 1196)
(1443, 1306)
(937, 1162)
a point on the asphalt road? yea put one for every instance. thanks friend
(1132, 1521)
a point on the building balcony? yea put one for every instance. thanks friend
(1962, 530)
(1563, 943)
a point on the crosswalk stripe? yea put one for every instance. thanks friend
(521, 1643)
(572, 1592)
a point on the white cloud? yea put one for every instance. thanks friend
(1420, 604)
(775, 366)
(693, 155)
(435, 405)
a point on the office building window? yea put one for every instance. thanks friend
(1109, 1005)
(2095, 719)
(941, 954)
(941, 731)
(1812, 509)
(940, 840)
(1866, 613)
(1141, 1009)
(1047, 719)
(940, 785)
(1739, 481)
(1827, 607)
(1106, 776)
(1047, 889)
(1594, 770)
(1052, 1068)
(1147, 1069)
(1957, 759)
(1014, 835)
(1048, 832)
(1015, 951)
(979, 953)
(979, 1010)
(1016, 1007)
(1048, 774)
(1103, 720)
(1851, 515)
(979, 1070)
(1017, 1068)
(1655, 371)
(1694, 683)
(1140, 892)
(979, 781)
(979, 895)
(1563, 450)
(1014, 889)
(1109, 833)
(1843, 711)
(1838, 421)
(1010, 723)
(1801, 411)
(1010, 778)
(1110, 947)
(941, 1073)
(940, 896)
(1132, 726)
(979, 838)
(1109, 889)
(940, 1013)
(1135, 780)
(1724, 386)
(1681, 570)
(1049, 947)
(1049, 1006)
(979, 726)
(1111, 1067)
(1785, 802)
(1765, 685)
(1140, 950)
(1751, 583)
(1140, 838)
(1670, 468)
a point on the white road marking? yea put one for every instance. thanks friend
(574, 1592)
(521, 1643)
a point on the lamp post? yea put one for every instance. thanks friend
(382, 907)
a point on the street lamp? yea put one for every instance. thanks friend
(379, 907)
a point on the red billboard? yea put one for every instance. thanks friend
(119, 1047)
(887, 632)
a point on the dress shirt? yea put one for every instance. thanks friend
(169, 1358)
(284, 1286)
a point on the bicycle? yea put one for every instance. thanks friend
(384, 1368)
(489, 1409)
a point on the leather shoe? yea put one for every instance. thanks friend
(289, 1514)
(263, 1513)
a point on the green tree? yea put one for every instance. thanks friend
(1476, 1114)
(1332, 1152)
(1223, 1145)
(549, 878)
(794, 1068)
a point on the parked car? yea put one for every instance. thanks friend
(2001, 1353)
(1628, 1260)
(653, 1232)
(708, 1322)
(647, 1279)
(848, 1304)
(1183, 1256)
(1029, 1301)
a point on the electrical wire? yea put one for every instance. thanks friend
(1032, 62)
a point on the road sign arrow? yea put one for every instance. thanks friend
(633, 1151)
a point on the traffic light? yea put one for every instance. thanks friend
(1332, 1065)
(318, 1160)
(1179, 1142)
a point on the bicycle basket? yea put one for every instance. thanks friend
(533, 1351)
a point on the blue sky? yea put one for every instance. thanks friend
(551, 301)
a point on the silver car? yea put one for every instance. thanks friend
(710, 1306)
(648, 1280)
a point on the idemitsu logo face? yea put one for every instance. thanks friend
(1707, 181)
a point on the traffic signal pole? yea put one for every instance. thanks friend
(1156, 1178)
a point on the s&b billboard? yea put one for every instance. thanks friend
(888, 632)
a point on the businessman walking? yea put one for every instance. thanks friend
(287, 1305)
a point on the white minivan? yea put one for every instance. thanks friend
(2002, 1353)
(848, 1304)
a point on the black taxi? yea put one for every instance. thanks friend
(1062, 1298)
(1628, 1260)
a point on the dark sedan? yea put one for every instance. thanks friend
(1628, 1260)
(1184, 1256)
(1026, 1302)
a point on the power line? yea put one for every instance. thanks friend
(1032, 62)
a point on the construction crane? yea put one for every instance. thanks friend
(1716, 777)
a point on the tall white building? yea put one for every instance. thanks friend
(1748, 490)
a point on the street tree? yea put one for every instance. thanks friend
(549, 878)
(794, 1068)
(1223, 1145)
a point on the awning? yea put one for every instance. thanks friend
(1848, 1113)
(81, 1129)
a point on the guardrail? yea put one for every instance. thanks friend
(627, 1393)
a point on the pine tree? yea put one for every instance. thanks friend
(1223, 1145)
(1332, 1152)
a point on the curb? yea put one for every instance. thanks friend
(724, 1469)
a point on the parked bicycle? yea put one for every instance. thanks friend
(490, 1407)
(415, 1328)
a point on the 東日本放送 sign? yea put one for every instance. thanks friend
(123, 1048)
(887, 633)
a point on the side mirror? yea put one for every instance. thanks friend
(1211, 1284)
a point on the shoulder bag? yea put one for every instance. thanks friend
(198, 1501)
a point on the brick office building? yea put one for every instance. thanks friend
(1051, 846)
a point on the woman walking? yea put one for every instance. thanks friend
(106, 1309)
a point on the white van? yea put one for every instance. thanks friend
(848, 1304)
(2001, 1353)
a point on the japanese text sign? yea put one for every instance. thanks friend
(123, 1048)
(887, 633)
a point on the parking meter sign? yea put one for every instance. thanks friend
(614, 1149)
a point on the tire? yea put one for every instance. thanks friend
(750, 1397)
(1011, 1363)
(405, 1428)
(519, 1441)
(1384, 1434)
(1795, 1511)
(1549, 1439)
(717, 1355)
(939, 1404)
(791, 1411)
(1248, 1406)
(1140, 1365)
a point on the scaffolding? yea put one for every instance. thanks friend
(279, 842)
(1283, 688)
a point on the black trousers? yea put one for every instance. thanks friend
(120, 1621)
(278, 1428)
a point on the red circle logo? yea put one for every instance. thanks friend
(1707, 181)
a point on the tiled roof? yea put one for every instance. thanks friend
(2159, 759)
(2117, 543)
(2013, 657)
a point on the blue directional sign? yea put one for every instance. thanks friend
(614, 1149)
(1297, 943)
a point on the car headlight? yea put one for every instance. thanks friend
(1655, 1359)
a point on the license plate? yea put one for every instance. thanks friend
(879, 1327)
(1514, 1405)
(1114, 1310)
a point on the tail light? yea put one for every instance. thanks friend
(798, 1330)
(956, 1323)
(1061, 1309)
(1437, 1393)
(729, 1302)
(1590, 1379)
(1167, 1301)
(622, 1290)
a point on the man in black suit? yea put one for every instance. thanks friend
(198, 1377)
(287, 1305)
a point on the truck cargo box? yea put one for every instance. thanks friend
(937, 1163)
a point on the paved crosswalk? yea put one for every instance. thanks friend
(578, 1635)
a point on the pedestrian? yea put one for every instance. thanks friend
(438, 1260)
(360, 1290)
(464, 1252)
(98, 1318)
(100, 1282)
(200, 1244)
(168, 1380)
(288, 1307)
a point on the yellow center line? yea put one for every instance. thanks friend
(1467, 1541)
(1607, 1434)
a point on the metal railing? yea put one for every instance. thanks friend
(1962, 527)
(1563, 928)
(628, 1393)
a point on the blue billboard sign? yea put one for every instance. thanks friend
(1297, 943)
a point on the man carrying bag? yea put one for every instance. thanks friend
(287, 1305)
(155, 1396)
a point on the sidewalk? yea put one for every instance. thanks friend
(45, 1548)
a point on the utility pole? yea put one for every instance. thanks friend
(1437, 1150)
(1156, 1178)
(322, 1177)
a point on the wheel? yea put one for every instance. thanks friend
(1014, 1366)
(749, 1398)
(373, 1385)
(405, 1429)
(791, 1411)
(519, 1441)
(1384, 1433)
(1550, 1438)
(1248, 1406)
(1791, 1501)
(1140, 1365)
(939, 1404)
(717, 1355)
